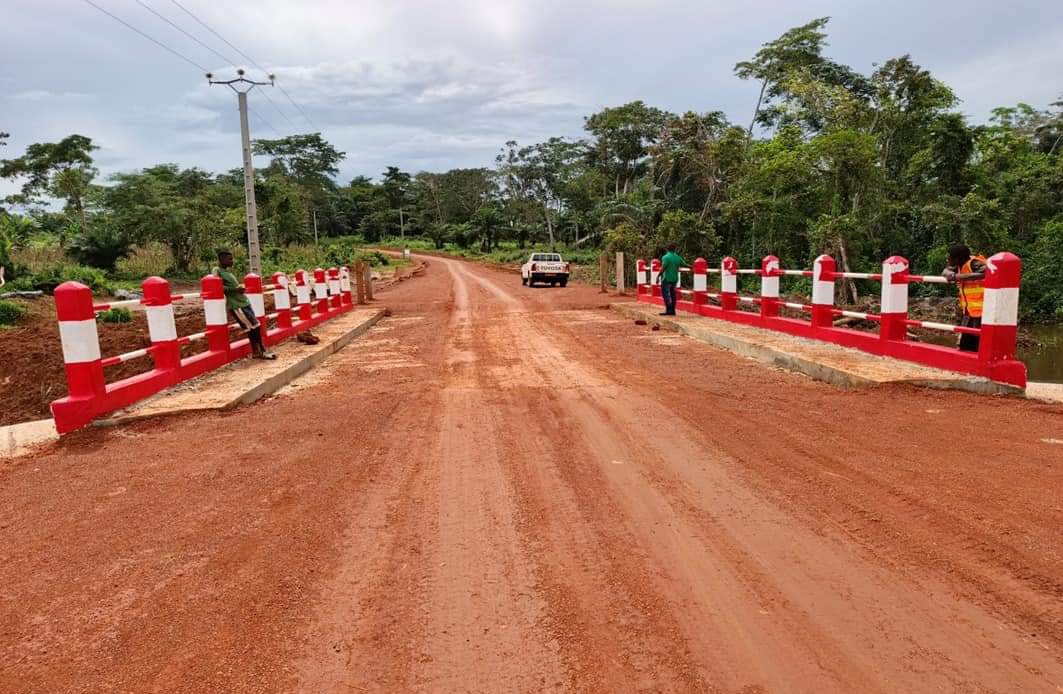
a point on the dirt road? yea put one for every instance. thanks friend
(503, 489)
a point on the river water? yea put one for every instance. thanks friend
(1044, 362)
(1043, 358)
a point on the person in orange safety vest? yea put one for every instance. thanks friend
(968, 272)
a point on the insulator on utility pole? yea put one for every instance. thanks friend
(254, 252)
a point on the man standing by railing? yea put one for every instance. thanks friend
(239, 307)
(669, 278)
(968, 272)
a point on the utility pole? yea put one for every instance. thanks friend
(315, 232)
(402, 226)
(254, 253)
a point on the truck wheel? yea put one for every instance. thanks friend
(553, 284)
(531, 282)
(524, 280)
(564, 283)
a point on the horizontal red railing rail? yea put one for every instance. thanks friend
(995, 358)
(89, 394)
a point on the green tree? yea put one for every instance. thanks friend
(622, 137)
(797, 55)
(61, 169)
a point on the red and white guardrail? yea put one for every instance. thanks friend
(994, 360)
(90, 396)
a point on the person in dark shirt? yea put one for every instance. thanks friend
(239, 307)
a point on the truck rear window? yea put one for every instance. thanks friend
(546, 257)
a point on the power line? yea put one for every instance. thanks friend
(149, 38)
(248, 58)
(212, 50)
(283, 114)
(298, 108)
(175, 26)
(220, 37)
(269, 125)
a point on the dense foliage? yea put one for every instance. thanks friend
(831, 160)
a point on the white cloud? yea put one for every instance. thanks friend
(39, 95)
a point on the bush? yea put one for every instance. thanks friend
(99, 246)
(50, 278)
(117, 314)
(11, 313)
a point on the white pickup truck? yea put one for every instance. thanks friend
(544, 267)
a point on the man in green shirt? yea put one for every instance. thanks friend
(669, 278)
(239, 307)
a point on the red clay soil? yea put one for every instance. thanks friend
(502, 489)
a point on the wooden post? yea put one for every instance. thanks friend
(368, 282)
(603, 272)
(620, 272)
(359, 283)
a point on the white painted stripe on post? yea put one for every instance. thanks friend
(302, 294)
(161, 326)
(345, 281)
(653, 276)
(894, 296)
(1001, 306)
(769, 287)
(81, 342)
(319, 290)
(281, 298)
(823, 293)
(258, 304)
(333, 287)
(214, 310)
(729, 283)
(701, 282)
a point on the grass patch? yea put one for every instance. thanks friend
(118, 314)
(11, 313)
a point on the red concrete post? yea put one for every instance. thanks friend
(162, 329)
(729, 284)
(253, 291)
(893, 325)
(302, 295)
(320, 292)
(701, 282)
(81, 357)
(770, 272)
(212, 292)
(1000, 312)
(335, 300)
(282, 300)
(823, 276)
(345, 286)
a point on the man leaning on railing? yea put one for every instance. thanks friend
(968, 272)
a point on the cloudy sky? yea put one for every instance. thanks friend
(429, 85)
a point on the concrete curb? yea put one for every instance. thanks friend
(799, 355)
(277, 381)
(20, 439)
(181, 398)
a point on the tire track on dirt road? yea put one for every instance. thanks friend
(789, 590)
